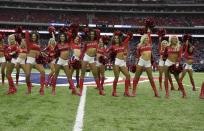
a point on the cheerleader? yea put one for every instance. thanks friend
(144, 50)
(62, 50)
(172, 55)
(2, 58)
(162, 45)
(119, 50)
(51, 59)
(11, 54)
(89, 52)
(22, 55)
(34, 58)
(75, 61)
(101, 59)
(188, 56)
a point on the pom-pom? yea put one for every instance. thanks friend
(18, 30)
(74, 29)
(161, 32)
(57, 52)
(112, 55)
(118, 32)
(187, 37)
(105, 39)
(175, 69)
(149, 23)
(132, 68)
(51, 29)
(103, 60)
(76, 64)
(165, 55)
(1, 36)
(41, 59)
(129, 34)
(86, 30)
(142, 31)
(18, 38)
(63, 29)
(98, 33)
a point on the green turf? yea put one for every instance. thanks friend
(145, 112)
(21, 112)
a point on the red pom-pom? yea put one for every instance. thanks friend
(129, 34)
(142, 31)
(106, 39)
(1, 36)
(51, 29)
(103, 60)
(175, 69)
(98, 33)
(133, 68)
(86, 30)
(41, 59)
(76, 64)
(74, 29)
(161, 32)
(149, 23)
(63, 29)
(119, 33)
(187, 37)
(18, 38)
(112, 55)
(18, 30)
(74, 26)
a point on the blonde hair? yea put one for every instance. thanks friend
(170, 40)
(164, 41)
(10, 37)
(143, 37)
(51, 40)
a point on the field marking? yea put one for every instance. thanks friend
(78, 126)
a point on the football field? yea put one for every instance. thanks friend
(22, 112)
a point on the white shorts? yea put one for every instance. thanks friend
(188, 67)
(98, 63)
(161, 62)
(20, 61)
(13, 60)
(88, 59)
(2, 59)
(30, 60)
(169, 63)
(120, 62)
(53, 61)
(62, 62)
(144, 63)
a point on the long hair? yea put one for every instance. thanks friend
(164, 41)
(50, 40)
(37, 36)
(9, 38)
(113, 40)
(65, 35)
(170, 41)
(143, 37)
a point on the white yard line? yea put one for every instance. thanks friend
(78, 126)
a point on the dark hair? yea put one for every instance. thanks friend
(87, 35)
(37, 35)
(66, 37)
(113, 40)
